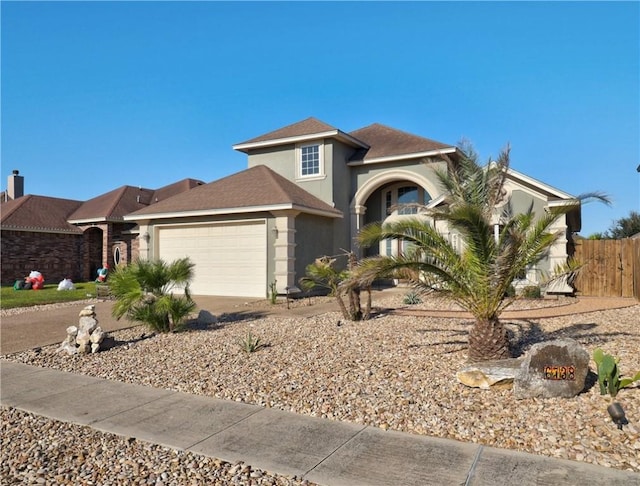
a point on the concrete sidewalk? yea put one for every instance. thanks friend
(319, 450)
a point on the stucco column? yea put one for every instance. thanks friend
(558, 256)
(144, 242)
(284, 246)
(357, 222)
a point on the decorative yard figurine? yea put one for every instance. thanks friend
(102, 273)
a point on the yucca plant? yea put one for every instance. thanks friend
(479, 275)
(250, 343)
(412, 298)
(143, 291)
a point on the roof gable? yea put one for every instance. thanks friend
(309, 126)
(175, 188)
(39, 213)
(113, 205)
(308, 129)
(255, 189)
(388, 143)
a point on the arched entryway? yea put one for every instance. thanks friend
(390, 195)
(93, 251)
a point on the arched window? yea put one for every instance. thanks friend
(403, 199)
(116, 255)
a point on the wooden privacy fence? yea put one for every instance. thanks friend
(612, 268)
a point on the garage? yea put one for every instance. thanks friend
(230, 257)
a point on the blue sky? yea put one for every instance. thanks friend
(97, 95)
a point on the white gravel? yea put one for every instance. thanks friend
(392, 372)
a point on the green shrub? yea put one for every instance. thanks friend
(273, 293)
(143, 292)
(250, 343)
(511, 291)
(412, 298)
(532, 292)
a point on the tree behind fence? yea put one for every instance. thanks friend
(612, 268)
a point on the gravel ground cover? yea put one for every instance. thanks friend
(37, 450)
(393, 372)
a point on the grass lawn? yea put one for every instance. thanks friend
(50, 294)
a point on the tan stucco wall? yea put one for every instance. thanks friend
(314, 238)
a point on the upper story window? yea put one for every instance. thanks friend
(404, 199)
(310, 161)
(407, 195)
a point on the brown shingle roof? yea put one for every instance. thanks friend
(113, 205)
(175, 188)
(309, 126)
(256, 187)
(388, 142)
(39, 213)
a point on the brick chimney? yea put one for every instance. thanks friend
(15, 185)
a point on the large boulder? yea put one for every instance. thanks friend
(497, 375)
(552, 369)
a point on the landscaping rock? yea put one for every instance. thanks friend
(552, 369)
(97, 336)
(498, 374)
(89, 310)
(87, 323)
(86, 337)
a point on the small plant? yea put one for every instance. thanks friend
(511, 291)
(273, 293)
(250, 343)
(412, 298)
(608, 374)
(531, 292)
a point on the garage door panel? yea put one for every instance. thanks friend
(230, 259)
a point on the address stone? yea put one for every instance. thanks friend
(552, 369)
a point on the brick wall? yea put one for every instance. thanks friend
(56, 256)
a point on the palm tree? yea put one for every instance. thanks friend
(321, 274)
(143, 292)
(479, 275)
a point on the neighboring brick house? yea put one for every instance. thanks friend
(63, 238)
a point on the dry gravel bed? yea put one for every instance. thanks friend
(393, 372)
(37, 450)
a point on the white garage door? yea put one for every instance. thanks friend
(230, 258)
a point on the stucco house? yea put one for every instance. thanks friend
(308, 189)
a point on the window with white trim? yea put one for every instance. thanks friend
(310, 163)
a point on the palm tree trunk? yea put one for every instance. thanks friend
(343, 307)
(488, 340)
(367, 308)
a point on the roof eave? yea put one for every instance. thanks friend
(340, 135)
(100, 219)
(42, 230)
(240, 210)
(541, 185)
(393, 158)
